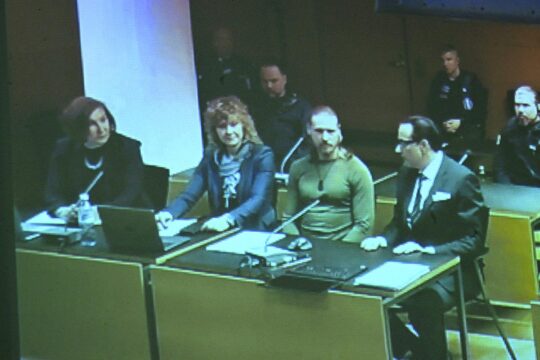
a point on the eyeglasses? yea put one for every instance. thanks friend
(401, 144)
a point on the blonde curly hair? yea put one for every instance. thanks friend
(228, 108)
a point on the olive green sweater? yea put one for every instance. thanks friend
(345, 187)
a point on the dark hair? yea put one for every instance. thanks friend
(228, 108)
(274, 61)
(425, 128)
(75, 119)
(449, 48)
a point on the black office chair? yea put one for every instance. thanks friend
(482, 297)
(156, 185)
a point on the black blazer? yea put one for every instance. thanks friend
(122, 181)
(450, 221)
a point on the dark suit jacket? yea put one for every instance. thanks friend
(254, 191)
(452, 226)
(122, 181)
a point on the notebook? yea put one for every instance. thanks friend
(135, 230)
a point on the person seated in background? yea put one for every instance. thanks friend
(517, 159)
(438, 211)
(93, 145)
(335, 176)
(223, 72)
(457, 103)
(237, 170)
(280, 114)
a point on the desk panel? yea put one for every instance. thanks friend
(511, 270)
(208, 316)
(535, 309)
(72, 307)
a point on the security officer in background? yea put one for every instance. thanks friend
(224, 73)
(457, 103)
(280, 115)
(517, 160)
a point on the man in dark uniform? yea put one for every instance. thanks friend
(457, 103)
(280, 115)
(224, 73)
(517, 160)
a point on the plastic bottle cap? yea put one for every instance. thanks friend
(84, 197)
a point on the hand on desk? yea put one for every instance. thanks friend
(373, 243)
(67, 213)
(220, 223)
(163, 219)
(412, 247)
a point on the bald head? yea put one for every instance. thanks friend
(325, 132)
(526, 105)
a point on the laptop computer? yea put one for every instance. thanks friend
(135, 230)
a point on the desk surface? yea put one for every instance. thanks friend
(102, 250)
(332, 254)
(248, 320)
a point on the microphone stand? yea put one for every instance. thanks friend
(464, 157)
(384, 178)
(286, 256)
(290, 221)
(282, 175)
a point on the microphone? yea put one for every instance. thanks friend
(290, 221)
(464, 157)
(282, 175)
(93, 183)
(273, 256)
(385, 178)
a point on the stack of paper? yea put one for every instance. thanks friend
(392, 275)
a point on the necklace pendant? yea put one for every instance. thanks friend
(321, 185)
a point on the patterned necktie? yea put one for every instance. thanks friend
(413, 216)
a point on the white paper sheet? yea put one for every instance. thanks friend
(175, 226)
(244, 241)
(393, 275)
(43, 218)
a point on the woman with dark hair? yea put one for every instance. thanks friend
(93, 145)
(237, 170)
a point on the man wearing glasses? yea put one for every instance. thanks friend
(437, 212)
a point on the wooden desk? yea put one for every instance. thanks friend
(73, 307)
(86, 303)
(511, 265)
(535, 309)
(205, 314)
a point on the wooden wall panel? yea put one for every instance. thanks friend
(45, 72)
(503, 55)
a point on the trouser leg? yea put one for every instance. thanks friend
(426, 313)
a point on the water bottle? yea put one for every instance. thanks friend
(481, 173)
(86, 220)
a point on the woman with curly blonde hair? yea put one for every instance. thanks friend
(237, 170)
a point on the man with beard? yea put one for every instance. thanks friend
(340, 180)
(517, 160)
